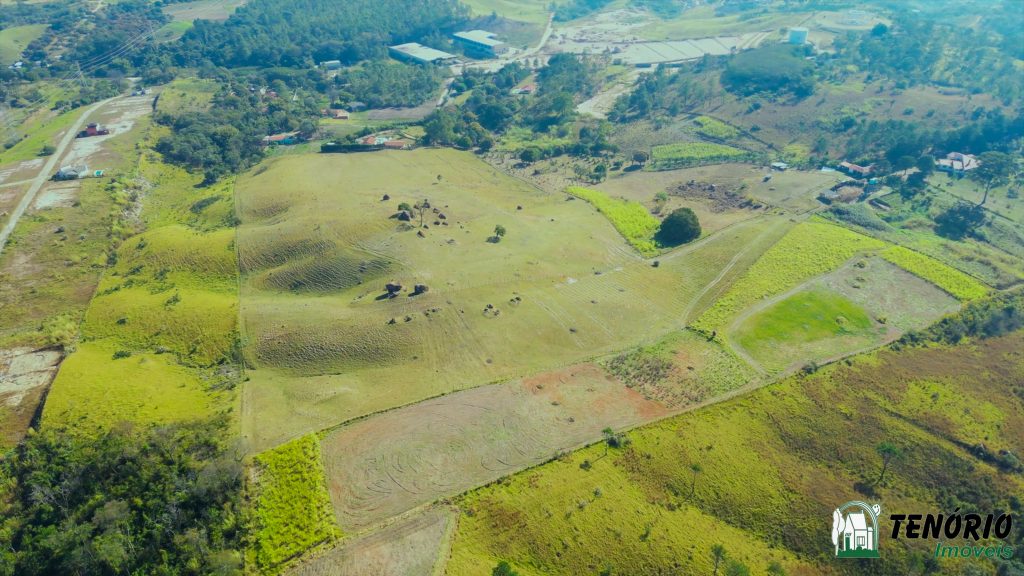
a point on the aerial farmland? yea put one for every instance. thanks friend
(510, 287)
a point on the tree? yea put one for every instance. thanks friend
(499, 232)
(960, 220)
(889, 452)
(503, 569)
(640, 157)
(736, 568)
(926, 164)
(529, 155)
(994, 169)
(680, 227)
(718, 555)
(696, 469)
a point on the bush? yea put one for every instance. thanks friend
(680, 227)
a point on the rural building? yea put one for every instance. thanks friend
(331, 65)
(957, 163)
(284, 139)
(798, 35)
(336, 114)
(73, 172)
(480, 43)
(93, 130)
(399, 144)
(780, 166)
(855, 169)
(525, 89)
(415, 52)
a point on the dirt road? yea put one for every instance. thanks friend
(46, 171)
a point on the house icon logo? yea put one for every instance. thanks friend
(855, 530)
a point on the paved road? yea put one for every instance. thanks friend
(45, 172)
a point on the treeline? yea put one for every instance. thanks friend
(380, 84)
(160, 501)
(268, 33)
(662, 92)
(995, 316)
(779, 69)
(578, 8)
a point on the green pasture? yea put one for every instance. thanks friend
(318, 242)
(15, 39)
(187, 95)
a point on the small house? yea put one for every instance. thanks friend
(855, 169)
(336, 114)
(957, 163)
(525, 89)
(283, 139)
(331, 65)
(780, 166)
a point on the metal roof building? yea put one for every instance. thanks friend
(417, 52)
(481, 42)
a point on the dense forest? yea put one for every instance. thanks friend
(269, 33)
(165, 501)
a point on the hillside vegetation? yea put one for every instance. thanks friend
(759, 474)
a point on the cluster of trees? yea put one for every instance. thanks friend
(930, 48)
(662, 8)
(996, 316)
(267, 33)
(227, 138)
(574, 9)
(492, 109)
(380, 84)
(776, 70)
(160, 501)
(660, 92)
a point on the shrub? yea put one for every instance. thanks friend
(630, 218)
(680, 227)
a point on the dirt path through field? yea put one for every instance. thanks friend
(46, 170)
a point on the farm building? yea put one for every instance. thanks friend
(331, 65)
(798, 35)
(93, 130)
(957, 163)
(336, 114)
(284, 138)
(855, 169)
(525, 89)
(415, 52)
(480, 43)
(72, 172)
(780, 166)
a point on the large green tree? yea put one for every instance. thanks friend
(680, 227)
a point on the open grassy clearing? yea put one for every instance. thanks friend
(291, 507)
(45, 127)
(167, 306)
(998, 202)
(691, 153)
(93, 391)
(15, 39)
(812, 248)
(631, 219)
(317, 246)
(185, 95)
(805, 322)
(202, 9)
(535, 11)
(949, 279)
(864, 304)
(794, 450)
(701, 22)
(408, 546)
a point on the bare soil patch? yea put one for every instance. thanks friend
(409, 546)
(383, 466)
(24, 375)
